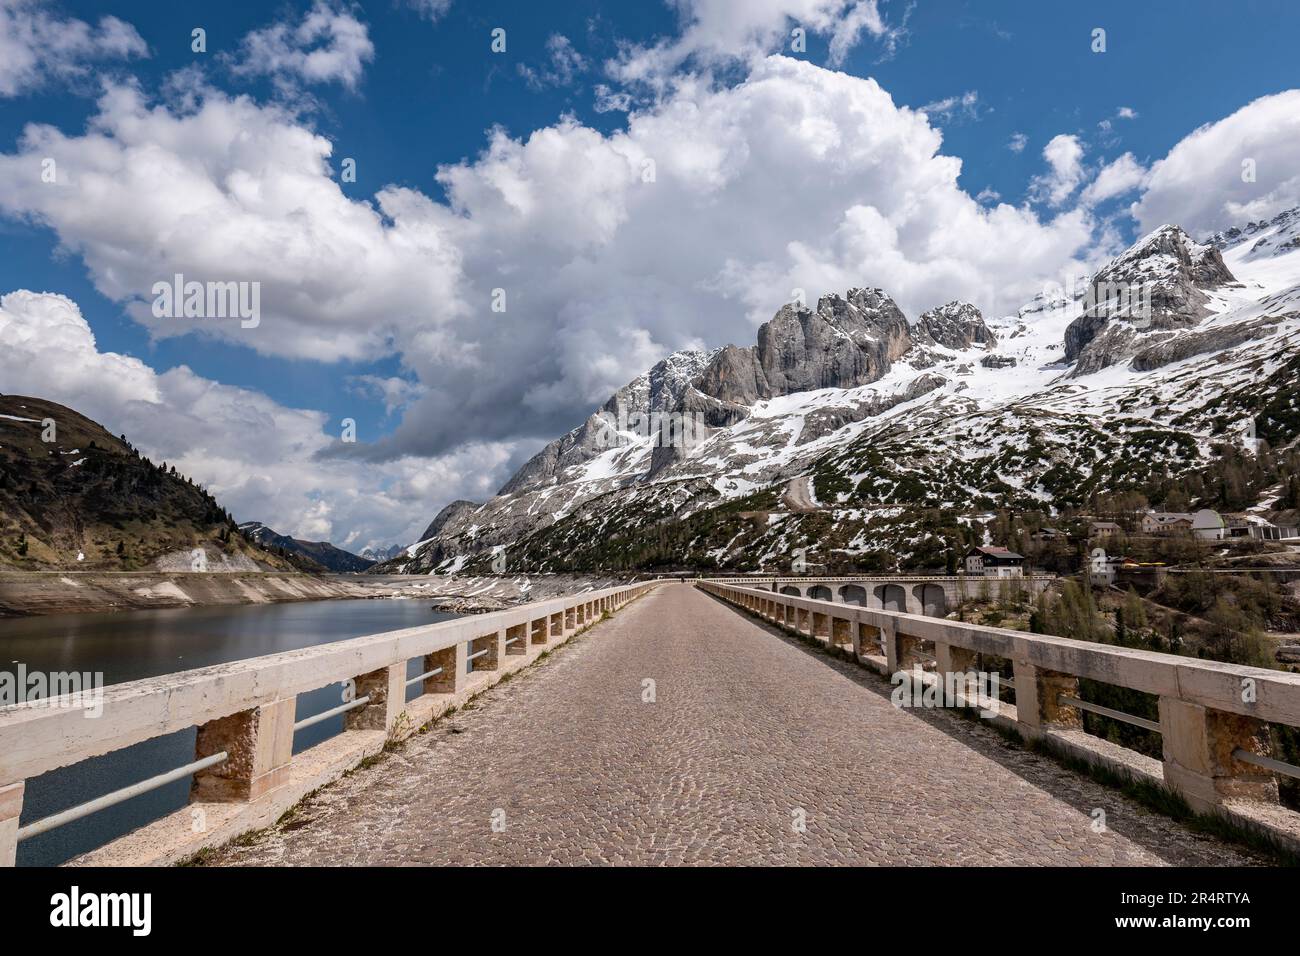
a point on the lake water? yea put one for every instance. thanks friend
(135, 644)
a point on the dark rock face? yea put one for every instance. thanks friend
(998, 361)
(453, 511)
(957, 325)
(845, 342)
(1177, 348)
(1157, 285)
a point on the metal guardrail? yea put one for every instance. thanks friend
(1268, 763)
(36, 828)
(425, 676)
(315, 719)
(1108, 712)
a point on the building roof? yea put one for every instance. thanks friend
(1105, 524)
(995, 552)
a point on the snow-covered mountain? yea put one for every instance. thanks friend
(851, 431)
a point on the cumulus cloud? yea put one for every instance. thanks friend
(262, 460)
(1120, 176)
(37, 45)
(1242, 167)
(1064, 155)
(716, 32)
(1017, 142)
(608, 249)
(328, 45)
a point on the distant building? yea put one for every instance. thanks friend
(1103, 529)
(995, 562)
(1166, 522)
(1208, 525)
(1047, 534)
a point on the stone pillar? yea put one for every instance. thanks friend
(494, 644)
(518, 636)
(840, 632)
(452, 661)
(866, 640)
(386, 688)
(11, 807)
(258, 744)
(1037, 703)
(953, 660)
(1198, 755)
(902, 651)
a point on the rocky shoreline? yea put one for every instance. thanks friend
(25, 593)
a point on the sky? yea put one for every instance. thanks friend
(467, 223)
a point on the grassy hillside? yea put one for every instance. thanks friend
(85, 492)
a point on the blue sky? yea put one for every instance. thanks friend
(426, 92)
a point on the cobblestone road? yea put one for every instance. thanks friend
(750, 732)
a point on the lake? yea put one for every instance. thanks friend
(131, 645)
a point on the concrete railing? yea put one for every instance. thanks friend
(1213, 716)
(245, 772)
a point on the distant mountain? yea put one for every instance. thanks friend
(72, 496)
(861, 439)
(375, 555)
(321, 553)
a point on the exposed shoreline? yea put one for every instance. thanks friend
(31, 593)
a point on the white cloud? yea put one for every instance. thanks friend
(431, 10)
(1064, 155)
(1126, 112)
(967, 104)
(37, 45)
(1116, 178)
(795, 177)
(714, 32)
(563, 66)
(1203, 185)
(260, 459)
(1017, 142)
(328, 45)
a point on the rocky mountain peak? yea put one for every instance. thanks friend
(957, 325)
(1156, 285)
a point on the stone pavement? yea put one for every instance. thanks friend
(750, 734)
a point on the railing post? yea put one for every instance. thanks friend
(901, 650)
(518, 635)
(11, 807)
(452, 660)
(259, 743)
(840, 632)
(1198, 745)
(866, 640)
(953, 660)
(386, 688)
(1038, 695)
(494, 645)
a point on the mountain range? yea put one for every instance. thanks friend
(322, 553)
(853, 436)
